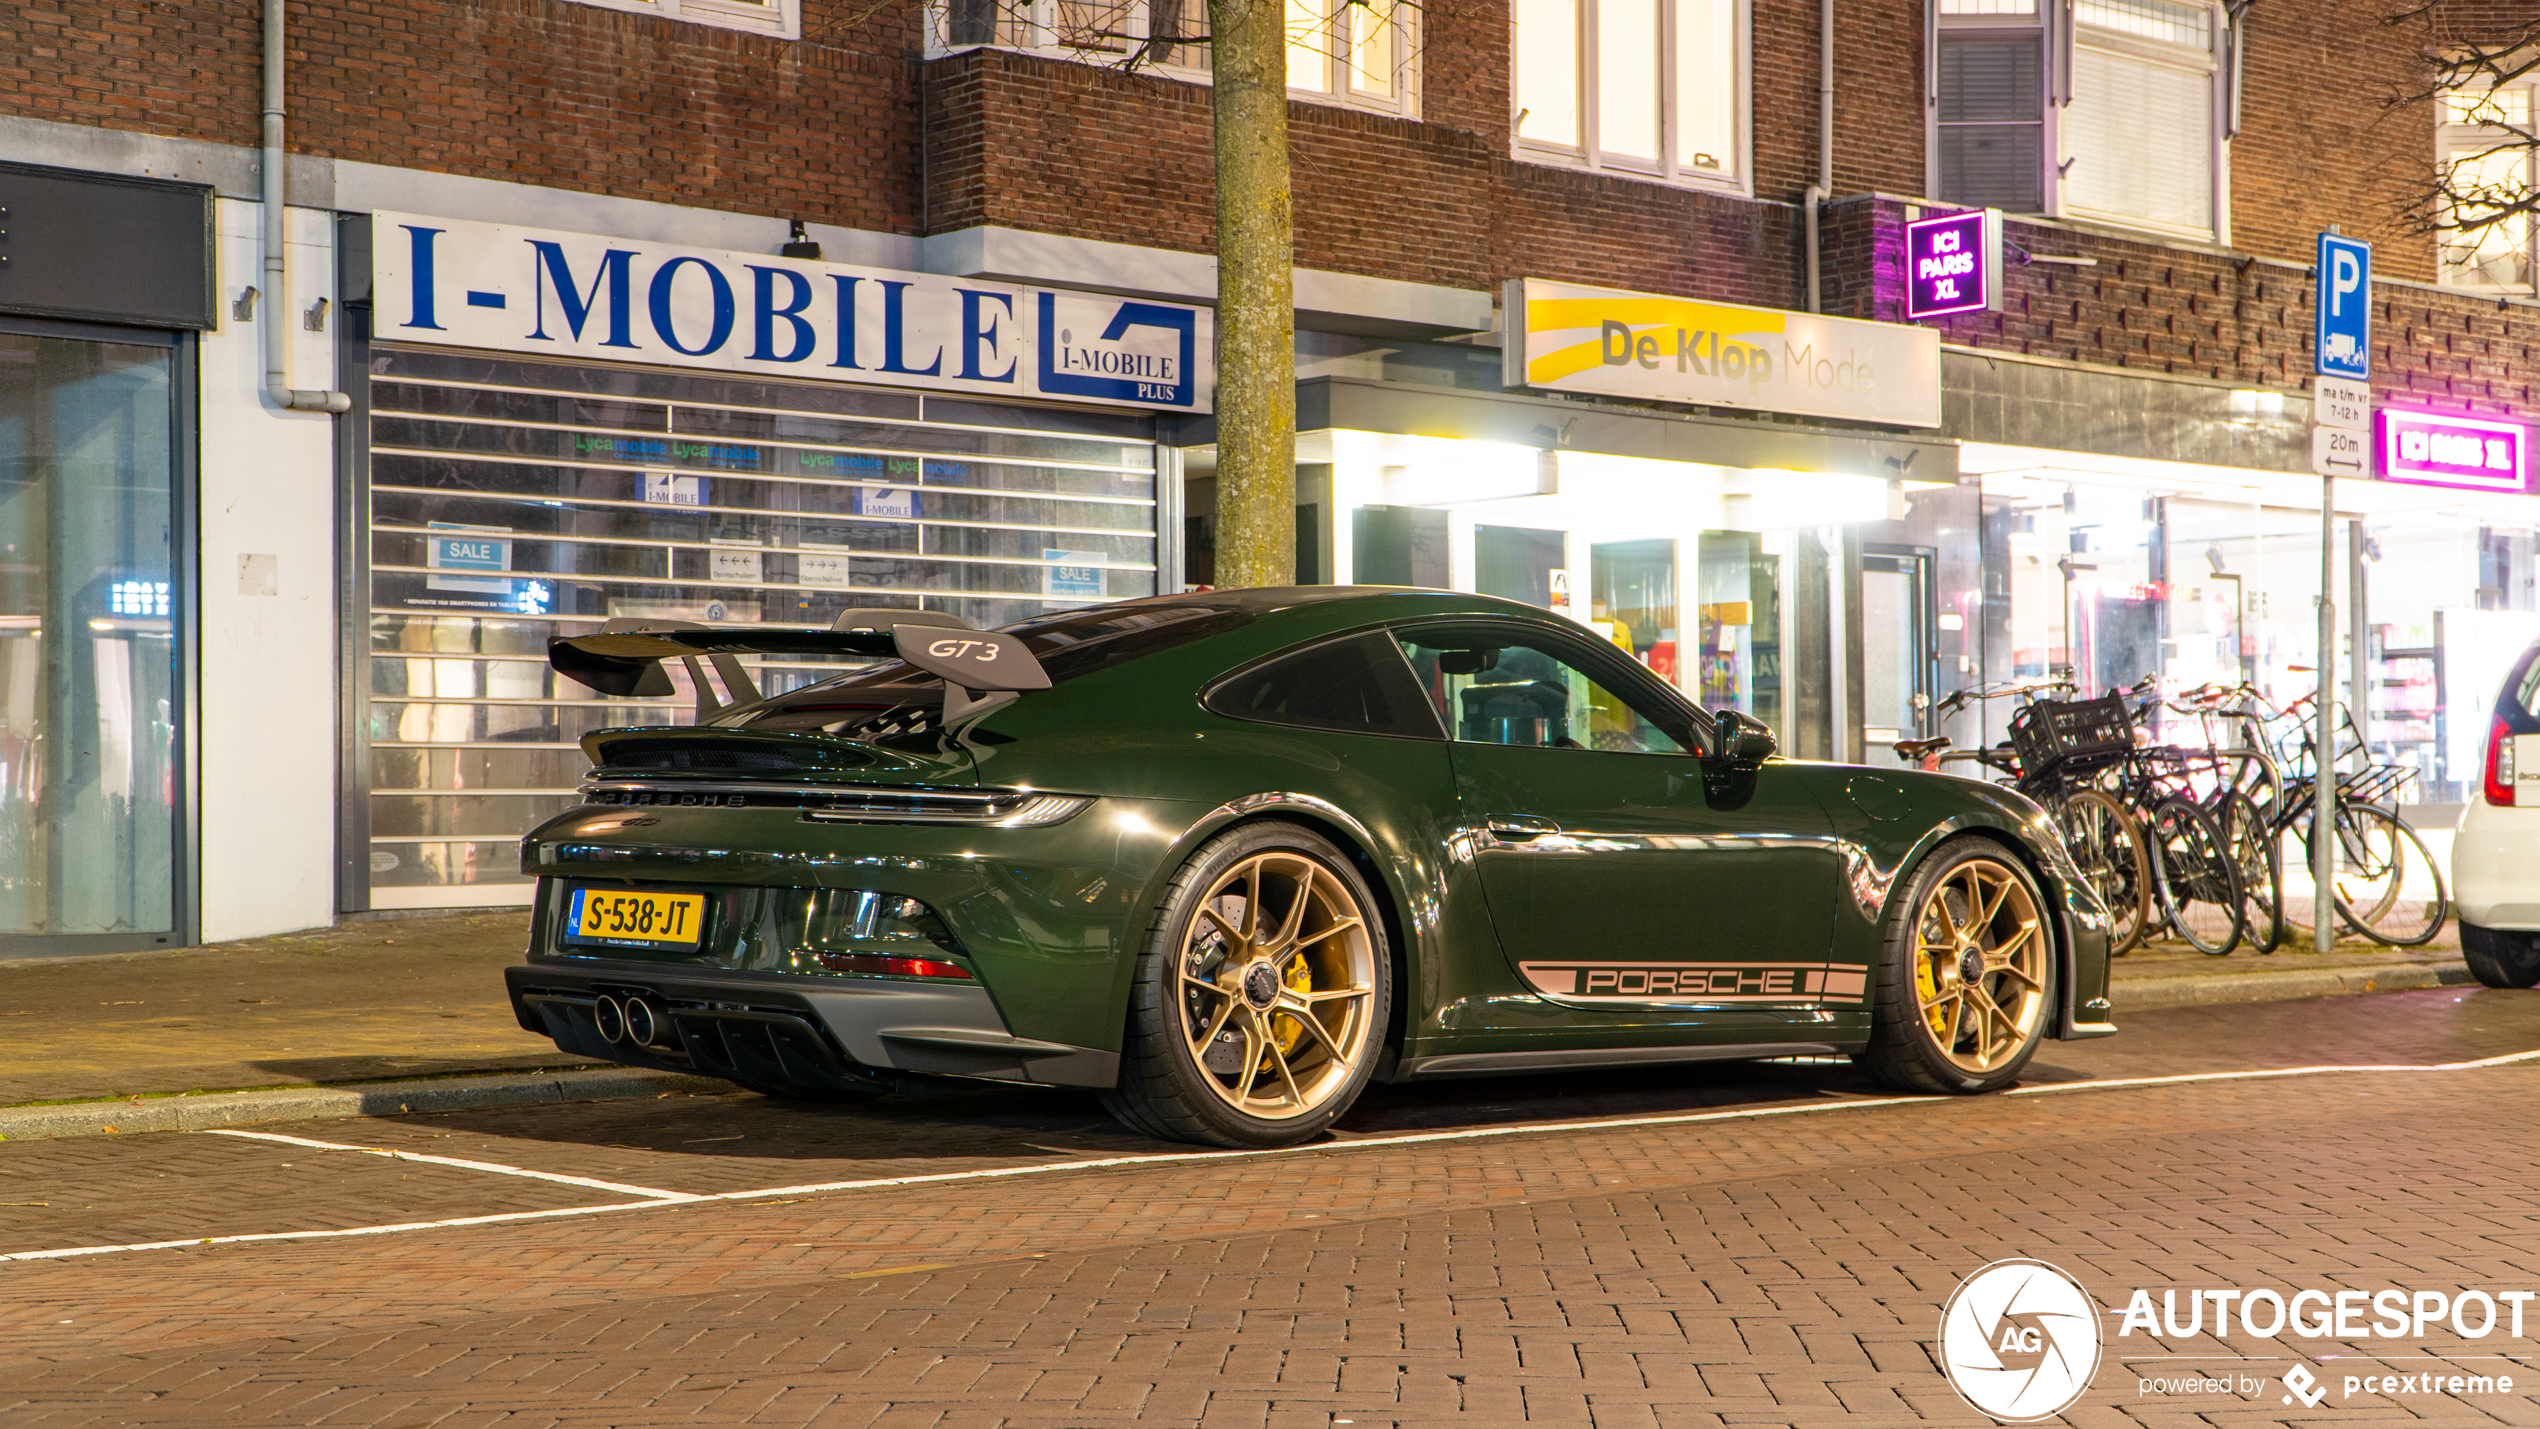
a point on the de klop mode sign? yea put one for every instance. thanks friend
(1953, 263)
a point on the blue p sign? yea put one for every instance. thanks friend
(2344, 341)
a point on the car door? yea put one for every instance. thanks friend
(1614, 880)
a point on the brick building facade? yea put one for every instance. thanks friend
(2140, 395)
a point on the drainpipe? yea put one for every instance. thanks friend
(277, 332)
(1823, 188)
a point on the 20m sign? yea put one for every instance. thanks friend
(542, 291)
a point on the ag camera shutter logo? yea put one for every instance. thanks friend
(2019, 1340)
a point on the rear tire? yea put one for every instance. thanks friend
(1262, 996)
(2500, 959)
(1971, 907)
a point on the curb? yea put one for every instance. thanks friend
(203, 1112)
(2144, 994)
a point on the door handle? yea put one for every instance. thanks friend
(1520, 826)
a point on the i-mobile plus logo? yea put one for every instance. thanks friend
(2020, 1340)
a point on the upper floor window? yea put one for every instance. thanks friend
(1356, 53)
(2485, 154)
(2104, 109)
(781, 18)
(1656, 87)
(1338, 51)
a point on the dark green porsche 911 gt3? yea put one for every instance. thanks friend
(1230, 856)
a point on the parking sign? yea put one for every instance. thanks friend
(2343, 347)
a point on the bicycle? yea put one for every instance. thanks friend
(2377, 851)
(2102, 838)
(2195, 882)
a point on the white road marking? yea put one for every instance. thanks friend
(674, 1198)
(495, 1168)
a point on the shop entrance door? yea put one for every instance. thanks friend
(1899, 644)
(90, 605)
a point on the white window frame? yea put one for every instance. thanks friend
(780, 18)
(2043, 24)
(1670, 168)
(2455, 141)
(2212, 63)
(2056, 21)
(1340, 84)
(1032, 27)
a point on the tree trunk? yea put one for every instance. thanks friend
(1256, 311)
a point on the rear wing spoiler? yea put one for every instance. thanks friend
(978, 667)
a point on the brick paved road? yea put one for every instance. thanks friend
(1776, 1270)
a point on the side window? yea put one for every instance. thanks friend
(1502, 687)
(1359, 685)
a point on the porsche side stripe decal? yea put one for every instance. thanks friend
(1707, 984)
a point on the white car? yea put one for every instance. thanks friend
(2496, 854)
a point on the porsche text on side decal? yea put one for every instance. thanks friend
(1605, 982)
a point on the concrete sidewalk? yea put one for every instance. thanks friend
(363, 1002)
(372, 1016)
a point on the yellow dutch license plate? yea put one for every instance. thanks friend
(634, 919)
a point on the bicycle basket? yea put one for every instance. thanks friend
(2051, 732)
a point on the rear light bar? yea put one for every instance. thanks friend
(876, 963)
(2500, 763)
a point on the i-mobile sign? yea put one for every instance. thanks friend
(2433, 449)
(532, 290)
(1953, 264)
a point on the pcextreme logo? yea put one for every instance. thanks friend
(2019, 1340)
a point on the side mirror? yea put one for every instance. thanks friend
(1745, 741)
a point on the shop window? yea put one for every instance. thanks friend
(2485, 153)
(1655, 87)
(782, 18)
(2103, 109)
(1632, 601)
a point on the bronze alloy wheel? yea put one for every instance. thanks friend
(1262, 1002)
(1970, 983)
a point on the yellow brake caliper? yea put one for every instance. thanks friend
(1927, 986)
(1299, 978)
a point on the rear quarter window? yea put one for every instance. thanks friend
(1359, 685)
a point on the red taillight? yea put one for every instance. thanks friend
(2500, 762)
(891, 967)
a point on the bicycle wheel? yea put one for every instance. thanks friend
(2388, 886)
(2194, 881)
(2108, 848)
(2258, 855)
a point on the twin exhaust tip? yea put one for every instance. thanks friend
(630, 1021)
